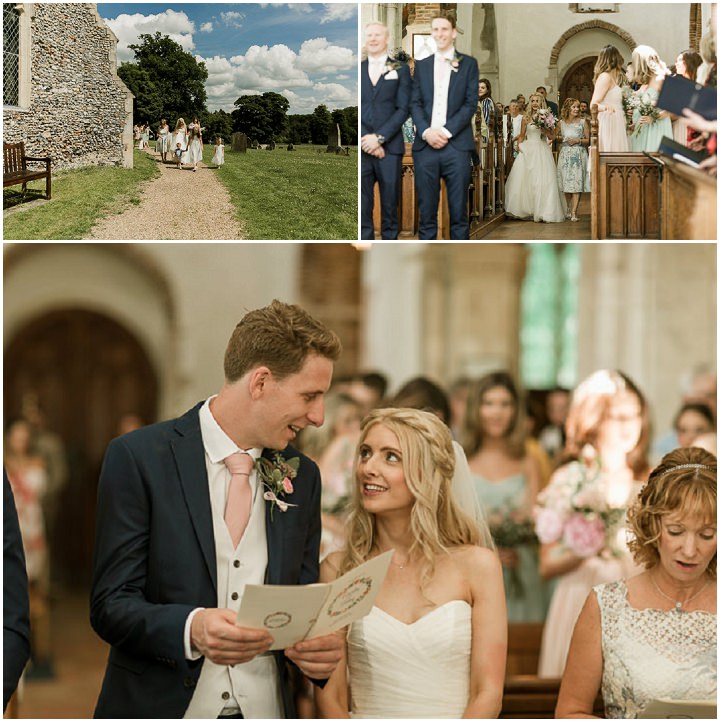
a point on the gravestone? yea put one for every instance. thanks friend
(239, 142)
(333, 139)
(255, 145)
(291, 146)
(270, 145)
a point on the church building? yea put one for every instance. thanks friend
(61, 92)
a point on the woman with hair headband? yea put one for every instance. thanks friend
(654, 635)
(435, 643)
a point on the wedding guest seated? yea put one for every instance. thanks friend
(691, 421)
(654, 635)
(434, 644)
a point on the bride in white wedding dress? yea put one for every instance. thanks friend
(434, 644)
(531, 190)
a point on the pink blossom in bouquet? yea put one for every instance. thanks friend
(584, 535)
(548, 525)
(287, 485)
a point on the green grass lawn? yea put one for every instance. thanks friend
(79, 199)
(292, 195)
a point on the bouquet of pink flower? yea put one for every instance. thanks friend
(544, 118)
(574, 510)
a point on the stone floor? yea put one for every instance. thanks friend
(79, 664)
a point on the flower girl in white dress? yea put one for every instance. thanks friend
(219, 155)
(434, 644)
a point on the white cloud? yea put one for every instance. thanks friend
(128, 29)
(334, 94)
(317, 55)
(206, 27)
(338, 11)
(232, 18)
(342, 77)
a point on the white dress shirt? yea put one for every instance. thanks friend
(376, 66)
(252, 687)
(441, 77)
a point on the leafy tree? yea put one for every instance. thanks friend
(261, 117)
(299, 129)
(216, 123)
(320, 122)
(148, 102)
(351, 121)
(173, 74)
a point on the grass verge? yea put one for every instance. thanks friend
(79, 199)
(292, 195)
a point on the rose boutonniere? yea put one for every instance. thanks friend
(276, 476)
(455, 62)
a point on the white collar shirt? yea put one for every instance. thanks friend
(252, 687)
(441, 77)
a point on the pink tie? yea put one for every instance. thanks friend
(239, 498)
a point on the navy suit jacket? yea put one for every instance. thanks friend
(155, 562)
(461, 106)
(386, 106)
(16, 606)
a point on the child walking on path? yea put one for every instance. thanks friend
(195, 147)
(219, 157)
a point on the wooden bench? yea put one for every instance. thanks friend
(523, 652)
(16, 172)
(526, 696)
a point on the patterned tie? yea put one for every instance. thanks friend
(239, 498)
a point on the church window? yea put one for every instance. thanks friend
(11, 55)
(549, 311)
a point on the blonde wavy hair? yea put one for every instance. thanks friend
(673, 486)
(437, 523)
(646, 64)
(528, 107)
(567, 105)
(611, 62)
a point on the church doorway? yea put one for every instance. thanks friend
(86, 371)
(578, 80)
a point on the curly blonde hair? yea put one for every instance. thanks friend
(528, 108)
(646, 64)
(428, 459)
(673, 486)
(566, 106)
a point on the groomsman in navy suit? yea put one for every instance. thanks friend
(444, 100)
(385, 95)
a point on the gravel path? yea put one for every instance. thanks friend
(178, 205)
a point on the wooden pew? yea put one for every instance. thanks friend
(532, 697)
(523, 648)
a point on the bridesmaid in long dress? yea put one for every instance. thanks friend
(609, 79)
(686, 65)
(606, 432)
(650, 72)
(506, 480)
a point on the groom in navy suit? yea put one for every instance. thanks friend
(172, 561)
(385, 97)
(444, 100)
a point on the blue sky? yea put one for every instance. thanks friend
(305, 51)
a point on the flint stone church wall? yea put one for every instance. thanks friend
(80, 111)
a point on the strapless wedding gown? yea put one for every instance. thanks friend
(400, 670)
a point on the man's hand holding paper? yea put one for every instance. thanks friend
(215, 635)
(318, 657)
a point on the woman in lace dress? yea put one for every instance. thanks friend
(434, 644)
(506, 480)
(609, 80)
(654, 635)
(606, 441)
(573, 157)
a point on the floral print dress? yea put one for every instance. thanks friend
(572, 164)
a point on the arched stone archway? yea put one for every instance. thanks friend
(560, 82)
(86, 370)
(588, 25)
